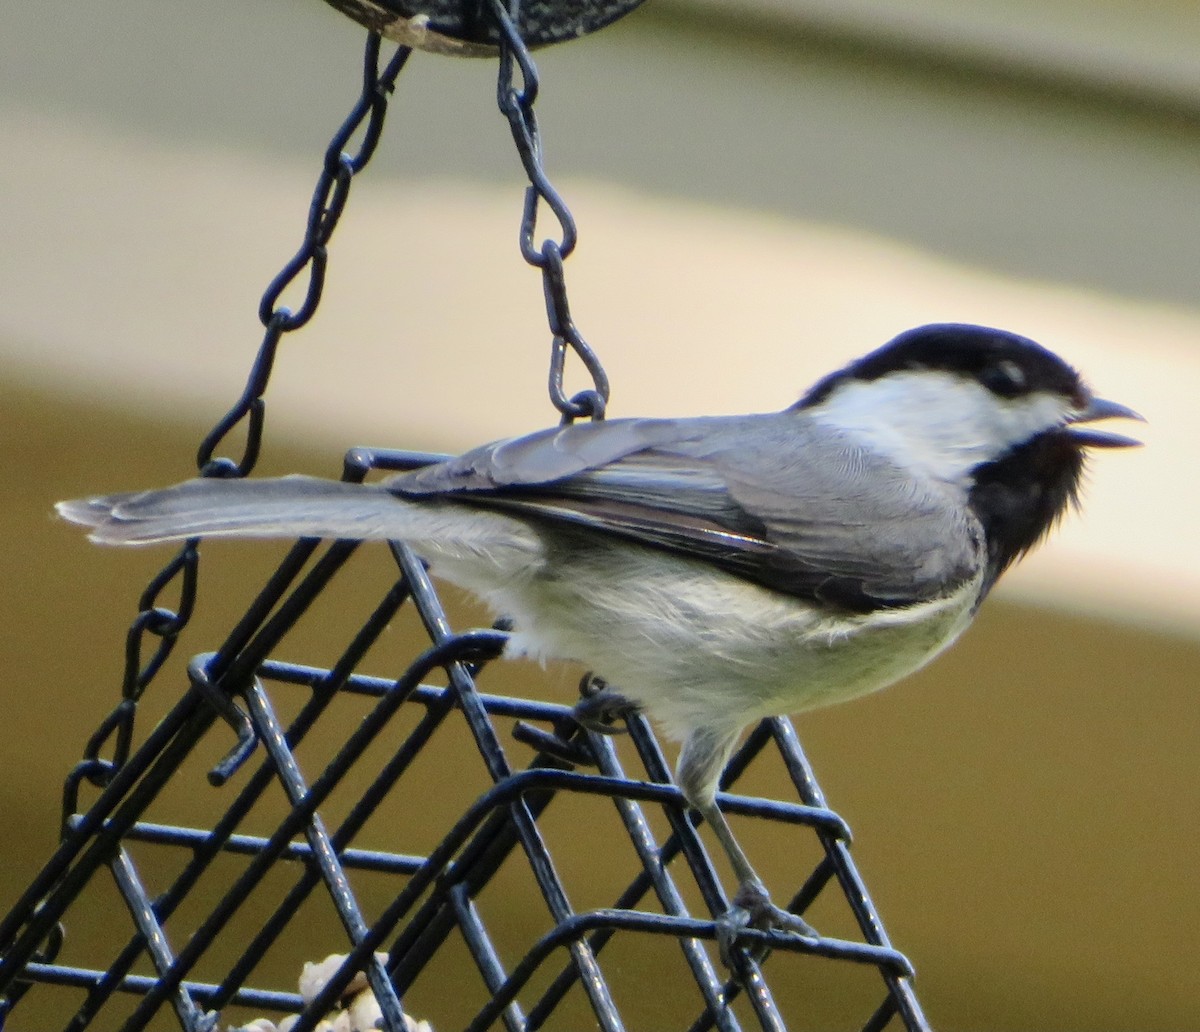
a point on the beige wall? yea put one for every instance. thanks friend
(1023, 809)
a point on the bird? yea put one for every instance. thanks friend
(713, 571)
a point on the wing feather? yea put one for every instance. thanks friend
(771, 498)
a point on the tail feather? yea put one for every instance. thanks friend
(294, 506)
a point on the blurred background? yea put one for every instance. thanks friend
(765, 189)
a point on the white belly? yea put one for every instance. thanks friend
(696, 647)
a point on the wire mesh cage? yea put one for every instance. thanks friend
(265, 823)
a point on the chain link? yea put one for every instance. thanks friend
(516, 104)
(108, 749)
(328, 203)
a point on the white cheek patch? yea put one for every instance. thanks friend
(936, 421)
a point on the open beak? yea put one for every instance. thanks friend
(1097, 409)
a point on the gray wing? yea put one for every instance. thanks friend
(546, 456)
(767, 497)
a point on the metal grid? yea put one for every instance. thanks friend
(422, 905)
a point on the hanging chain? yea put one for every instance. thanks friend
(108, 748)
(329, 200)
(516, 104)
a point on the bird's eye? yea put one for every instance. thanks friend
(1005, 378)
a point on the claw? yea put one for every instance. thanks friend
(730, 926)
(753, 898)
(752, 908)
(601, 707)
(591, 685)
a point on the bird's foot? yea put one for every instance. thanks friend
(601, 707)
(752, 908)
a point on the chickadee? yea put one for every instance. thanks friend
(721, 570)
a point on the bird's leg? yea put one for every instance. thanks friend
(701, 762)
(601, 706)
